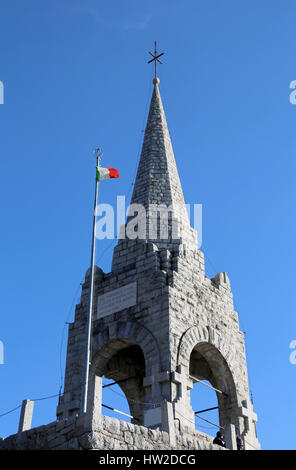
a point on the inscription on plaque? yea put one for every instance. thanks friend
(117, 299)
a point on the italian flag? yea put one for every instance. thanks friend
(106, 173)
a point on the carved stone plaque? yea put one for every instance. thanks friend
(117, 299)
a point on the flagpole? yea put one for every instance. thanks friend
(98, 153)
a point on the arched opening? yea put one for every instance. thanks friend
(213, 387)
(204, 402)
(114, 402)
(121, 364)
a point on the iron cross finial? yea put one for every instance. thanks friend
(155, 59)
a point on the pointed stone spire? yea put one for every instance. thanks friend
(157, 214)
(157, 181)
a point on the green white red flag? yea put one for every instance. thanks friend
(106, 173)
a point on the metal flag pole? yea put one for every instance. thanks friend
(98, 153)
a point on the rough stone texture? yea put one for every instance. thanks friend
(112, 434)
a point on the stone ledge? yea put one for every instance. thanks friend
(112, 434)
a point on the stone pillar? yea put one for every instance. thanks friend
(94, 402)
(168, 422)
(26, 416)
(182, 407)
(153, 414)
(230, 436)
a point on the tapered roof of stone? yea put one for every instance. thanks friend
(158, 184)
(157, 180)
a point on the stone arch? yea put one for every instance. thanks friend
(125, 350)
(197, 334)
(124, 332)
(127, 362)
(205, 355)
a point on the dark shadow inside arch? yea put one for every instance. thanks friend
(208, 365)
(122, 362)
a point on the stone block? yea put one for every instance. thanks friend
(128, 437)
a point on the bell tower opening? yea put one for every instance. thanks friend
(213, 388)
(122, 374)
(204, 403)
(114, 401)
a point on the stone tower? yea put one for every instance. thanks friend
(158, 320)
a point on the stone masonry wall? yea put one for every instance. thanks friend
(113, 434)
(196, 300)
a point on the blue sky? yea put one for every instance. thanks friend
(75, 77)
